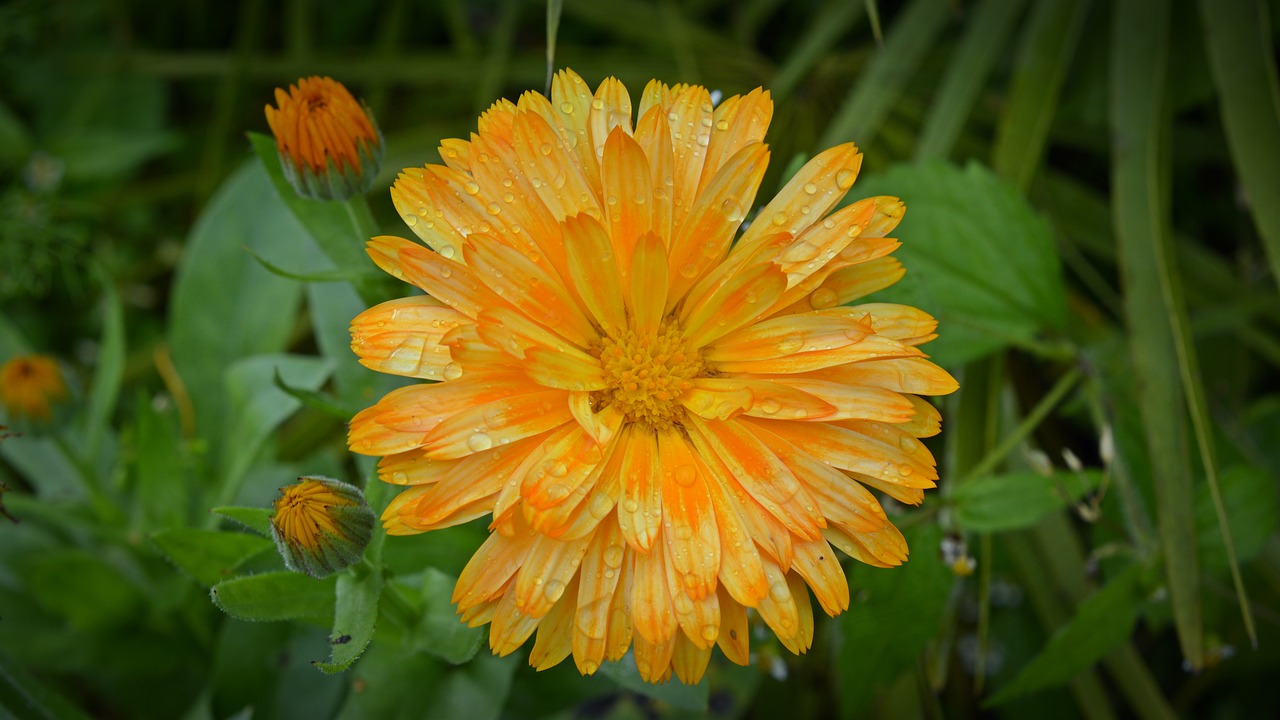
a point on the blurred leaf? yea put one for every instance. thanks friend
(355, 615)
(390, 673)
(276, 596)
(1140, 187)
(885, 78)
(163, 478)
(828, 24)
(61, 580)
(986, 32)
(314, 400)
(1048, 44)
(893, 616)
(1253, 510)
(224, 305)
(1015, 501)
(108, 366)
(29, 699)
(257, 407)
(438, 630)
(978, 258)
(15, 141)
(674, 693)
(209, 556)
(1102, 623)
(319, 276)
(255, 518)
(102, 154)
(477, 690)
(1242, 57)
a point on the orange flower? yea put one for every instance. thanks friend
(669, 426)
(330, 147)
(30, 386)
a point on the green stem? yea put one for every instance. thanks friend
(1033, 419)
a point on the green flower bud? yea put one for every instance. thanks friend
(321, 525)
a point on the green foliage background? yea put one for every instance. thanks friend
(1093, 194)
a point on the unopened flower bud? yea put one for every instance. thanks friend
(321, 525)
(31, 387)
(330, 147)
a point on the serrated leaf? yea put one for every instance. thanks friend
(894, 614)
(1102, 623)
(978, 258)
(999, 503)
(209, 556)
(276, 596)
(354, 618)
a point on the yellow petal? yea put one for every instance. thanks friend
(648, 283)
(690, 120)
(737, 122)
(449, 281)
(598, 579)
(593, 271)
(546, 572)
(735, 636)
(482, 426)
(653, 660)
(402, 336)
(552, 170)
(555, 633)
(807, 197)
(602, 425)
(652, 614)
(628, 194)
(693, 542)
(456, 153)
(565, 370)
(744, 297)
(803, 638)
(883, 452)
(610, 110)
(913, 375)
(717, 398)
(690, 660)
(570, 107)
(486, 574)
(778, 608)
(654, 136)
(640, 511)
(817, 563)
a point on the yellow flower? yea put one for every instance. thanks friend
(669, 426)
(321, 525)
(30, 386)
(330, 147)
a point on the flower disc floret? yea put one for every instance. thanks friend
(647, 374)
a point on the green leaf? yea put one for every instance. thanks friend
(28, 698)
(165, 482)
(1048, 43)
(318, 276)
(314, 400)
(1000, 503)
(224, 305)
(864, 109)
(257, 407)
(894, 614)
(276, 596)
(355, 615)
(985, 34)
(108, 367)
(1140, 199)
(1103, 622)
(209, 556)
(1253, 513)
(255, 518)
(675, 693)
(62, 579)
(438, 630)
(1242, 57)
(978, 258)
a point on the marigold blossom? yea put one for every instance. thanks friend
(330, 147)
(30, 387)
(669, 422)
(321, 525)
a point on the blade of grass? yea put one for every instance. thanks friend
(967, 71)
(489, 82)
(248, 29)
(1048, 44)
(913, 34)
(873, 15)
(554, 8)
(1140, 183)
(1243, 64)
(829, 23)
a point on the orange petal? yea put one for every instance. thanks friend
(555, 633)
(651, 611)
(717, 398)
(744, 297)
(620, 623)
(693, 542)
(778, 608)
(883, 548)
(456, 153)
(482, 426)
(807, 197)
(593, 270)
(823, 242)
(653, 660)
(740, 518)
(699, 619)
(510, 626)
(858, 281)
(847, 402)
(817, 563)
(602, 425)
(512, 203)
(803, 638)
(400, 421)
(487, 573)
(702, 239)
(571, 110)
(553, 171)
(738, 122)
(774, 399)
(648, 283)
(735, 636)
(690, 660)
(780, 337)
(565, 370)
(640, 512)
(412, 467)
(564, 468)
(513, 332)
(927, 421)
(471, 479)
(803, 360)
(446, 280)
(690, 116)
(539, 295)
(654, 136)
(610, 110)
(761, 474)
(598, 579)
(546, 572)
(913, 375)
(628, 193)
(416, 195)
(892, 455)
(402, 336)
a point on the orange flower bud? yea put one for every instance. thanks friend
(30, 387)
(330, 147)
(321, 525)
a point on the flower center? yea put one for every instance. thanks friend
(647, 373)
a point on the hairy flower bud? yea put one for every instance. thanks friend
(321, 525)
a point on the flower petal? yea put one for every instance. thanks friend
(628, 194)
(546, 572)
(565, 370)
(778, 607)
(693, 542)
(610, 110)
(555, 633)
(598, 579)
(717, 398)
(640, 512)
(735, 635)
(803, 639)
(817, 563)
(818, 331)
(485, 576)
(847, 402)
(739, 121)
(652, 615)
(471, 479)
(483, 425)
(402, 336)
(690, 119)
(654, 136)
(648, 283)
(593, 271)
(807, 197)
(741, 574)
(449, 281)
(571, 108)
(743, 298)
(561, 472)
(878, 450)
(689, 660)
(913, 375)
(554, 173)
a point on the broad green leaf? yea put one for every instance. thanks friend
(276, 596)
(1140, 187)
(894, 614)
(1103, 622)
(257, 407)
(60, 580)
(438, 630)
(163, 474)
(986, 30)
(355, 615)
(224, 305)
(1242, 57)
(1015, 501)
(1253, 512)
(864, 109)
(390, 673)
(209, 556)
(254, 518)
(1047, 46)
(978, 259)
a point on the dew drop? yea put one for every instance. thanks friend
(452, 371)
(845, 178)
(598, 104)
(790, 344)
(495, 208)
(471, 188)
(780, 591)
(709, 632)
(553, 590)
(770, 406)
(779, 218)
(823, 298)
(410, 220)
(479, 442)
(733, 211)
(613, 556)
(704, 140)
(688, 270)
(810, 188)
(448, 251)
(630, 505)
(566, 108)
(446, 272)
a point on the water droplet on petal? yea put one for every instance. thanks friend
(479, 442)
